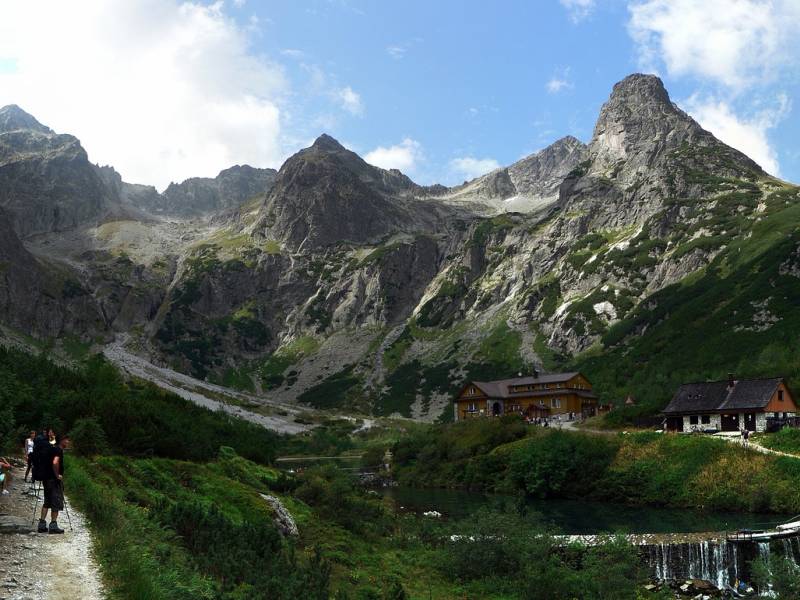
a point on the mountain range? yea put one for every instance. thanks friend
(652, 255)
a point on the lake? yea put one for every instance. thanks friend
(578, 516)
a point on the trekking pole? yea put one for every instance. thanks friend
(66, 508)
(36, 504)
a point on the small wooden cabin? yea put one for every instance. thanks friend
(534, 396)
(729, 405)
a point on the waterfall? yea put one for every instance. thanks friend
(763, 551)
(717, 562)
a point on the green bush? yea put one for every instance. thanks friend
(88, 437)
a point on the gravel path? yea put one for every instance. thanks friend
(41, 566)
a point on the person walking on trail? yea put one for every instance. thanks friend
(746, 435)
(53, 482)
(27, 454)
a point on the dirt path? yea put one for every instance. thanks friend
(42, 566)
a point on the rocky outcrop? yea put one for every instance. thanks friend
(46, 180)
(326, 194)
(203, 195)
(284, 520)
(529, 185)
(39, 299)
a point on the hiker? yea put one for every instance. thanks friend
(5, 475)
(746, 435)
(53, 480)
(51, 437)
(27, 454)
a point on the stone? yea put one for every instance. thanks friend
(11, 524)
(283, 518)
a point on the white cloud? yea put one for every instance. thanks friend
(397, 52)
(350, 100)
(747, 135)
(468, 167)
(404, 156)
(578, 9)
(239, 3)
(559, 81)
(162, 90)
(293, 53)
(733, 42)
(555, 85)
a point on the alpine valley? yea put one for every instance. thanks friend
(654, 254)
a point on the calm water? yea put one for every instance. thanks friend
(579, 517)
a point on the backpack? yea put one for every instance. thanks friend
(40, 459)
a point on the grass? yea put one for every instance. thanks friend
(333, 391)
(272, 371)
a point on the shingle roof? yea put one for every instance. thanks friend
(718, 396)
(501, 387)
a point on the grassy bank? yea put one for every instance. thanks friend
(644, 468)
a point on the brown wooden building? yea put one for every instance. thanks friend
(729, 405)
(537, 395)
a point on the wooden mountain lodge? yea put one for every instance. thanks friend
(534, 396)
(730, 405)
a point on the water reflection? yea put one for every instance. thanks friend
(578, 517)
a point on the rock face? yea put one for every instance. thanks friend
(46, 180)
(528, 185)
(350, 286)
(39, 299)
(228, 190)
(327, 194)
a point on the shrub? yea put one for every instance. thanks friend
(88, 437)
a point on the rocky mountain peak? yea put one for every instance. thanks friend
(637, 126)
(327, 143)
(13, 118)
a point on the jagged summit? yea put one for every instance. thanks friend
(327, 143)
(13, 118)
(641, 86)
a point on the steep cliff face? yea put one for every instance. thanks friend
(38, 299)
(46, 180)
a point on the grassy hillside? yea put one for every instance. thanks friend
(739, 315)
(503, 455)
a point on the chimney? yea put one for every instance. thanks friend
(535, 373)
(731, 381)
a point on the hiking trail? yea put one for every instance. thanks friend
(37, 566)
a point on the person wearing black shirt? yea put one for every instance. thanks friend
(53, 481)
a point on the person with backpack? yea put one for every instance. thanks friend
(53, 484)
(41, 450)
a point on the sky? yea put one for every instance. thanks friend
(445, 91)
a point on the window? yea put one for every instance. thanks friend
(780, 395)
(555, 403)
(705, 419)
(472, 391)
(471, 407)
(693, 420)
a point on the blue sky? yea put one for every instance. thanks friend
(443, 90)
